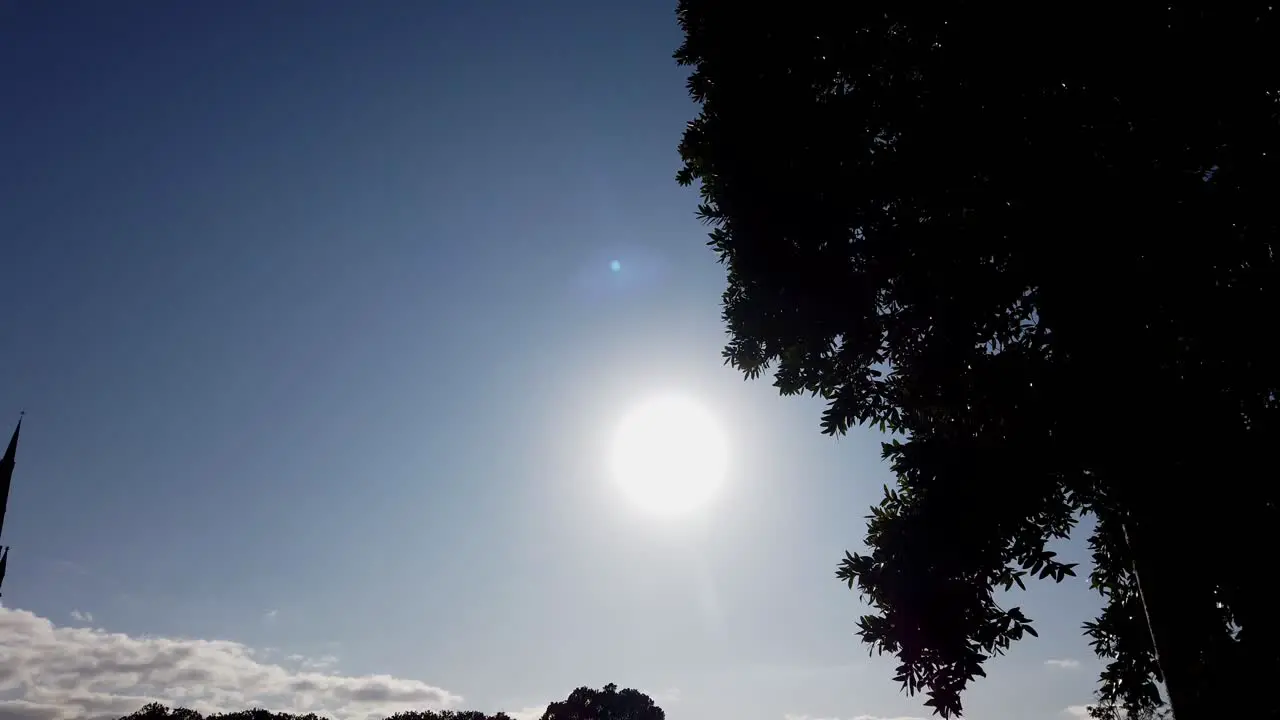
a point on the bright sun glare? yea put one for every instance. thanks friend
(669, 455)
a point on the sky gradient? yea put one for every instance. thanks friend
(313, 310)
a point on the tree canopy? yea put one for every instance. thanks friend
(608, 703)
(1037, 244)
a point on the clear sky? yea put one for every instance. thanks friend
(313, 310)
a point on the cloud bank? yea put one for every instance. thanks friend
(529, 713)
(59, 673)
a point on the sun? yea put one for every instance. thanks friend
(669, 455)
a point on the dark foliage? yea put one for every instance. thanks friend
(156, 711)
(608, 703)
(584, 703)
(1037, 242)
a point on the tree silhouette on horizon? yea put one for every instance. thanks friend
(1037, 245)
(584, 703)
(608, 703)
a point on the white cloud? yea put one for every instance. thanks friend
(82, 616)
(324, 662)
(529, 713)
(270, 615)
(58, 673)
(1064, 663)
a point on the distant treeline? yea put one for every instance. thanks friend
(156, 711)
(582, 704)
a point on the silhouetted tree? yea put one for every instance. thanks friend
(1039, 245)
(1103, 710)
(583, 704)
(608, 703)
(156, 711)
(152, 711)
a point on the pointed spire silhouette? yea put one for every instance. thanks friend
(6, 478)
(6, 471)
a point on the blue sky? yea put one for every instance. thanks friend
(311, 308)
